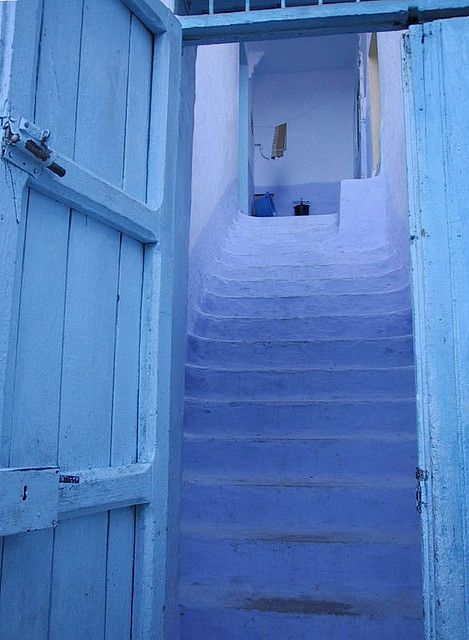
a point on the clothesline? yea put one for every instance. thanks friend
(303, 113)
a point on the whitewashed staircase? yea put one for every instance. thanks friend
(298, 515)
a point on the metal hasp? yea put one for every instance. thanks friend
(25, 145)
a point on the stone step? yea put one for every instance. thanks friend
(301, 418)
(356, 503)
(314, 255)
(294, 270)
(300, 564)
(365, 325)
(294, 285)
(345, 383)
(388, 351)
(314, 457)
(225, 612)
(275, 306)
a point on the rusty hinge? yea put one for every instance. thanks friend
(421, 476)
(25, 145)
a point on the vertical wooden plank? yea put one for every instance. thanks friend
(86, 431)
(27, 558)
(58, 71)
(26, 578)
(85, 423)
(39, 347)
(138, 111)
(19, 38)
(101, 110)
(78, 593)
(18, 66)
(120, 558)
(36, 393)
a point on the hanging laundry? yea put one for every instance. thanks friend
(279, 143)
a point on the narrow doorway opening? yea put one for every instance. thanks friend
(308, 87)
(300, 440)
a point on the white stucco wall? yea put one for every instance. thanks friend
(375, 210)
(215, 160)
(319, 107)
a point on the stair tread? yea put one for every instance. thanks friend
(270, 369)
(322, 294)
(341, 601)
(355, 482)
(324, 317)
(214, 531)
(271, 341)
(301, 437)
(297, 401)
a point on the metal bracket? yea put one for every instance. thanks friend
(25, 145)
(67, 479)
(421, 476)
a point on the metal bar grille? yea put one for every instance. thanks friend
(200, 7)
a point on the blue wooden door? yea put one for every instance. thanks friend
(83, 456)
(436, 61)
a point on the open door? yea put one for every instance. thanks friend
(86, 215)
(436, 61)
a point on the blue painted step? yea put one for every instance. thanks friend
(313, 305)
(304, 327)
(295, 418)
(215, 613)
(340, 383)
(298, 506)
(327, 505)
(391, 351)
(310, 455)
(238, 271)
(252, 286)
(300, 565)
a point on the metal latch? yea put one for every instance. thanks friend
(421, 476)
(26, 146)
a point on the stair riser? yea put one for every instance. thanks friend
(296, 269)
(367, 569)
(312, 459)
(328, 419)
(275, 307)
(227, 624)
(303, 328)
(236, 385)
(324, 508)
(381, 352)
(299, 287)
(311, 257)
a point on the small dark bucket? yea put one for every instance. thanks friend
(301, 209)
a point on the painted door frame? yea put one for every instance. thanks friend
(438, 156)
(439, 258)
(150, 485)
